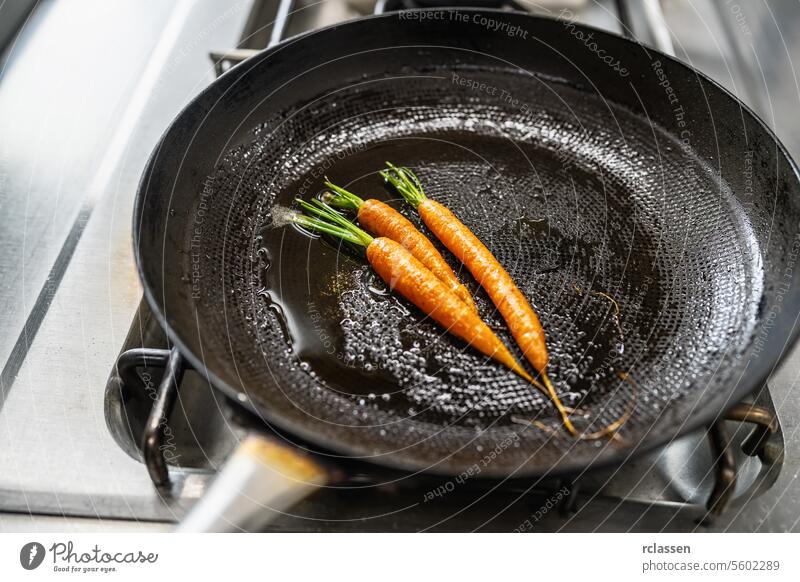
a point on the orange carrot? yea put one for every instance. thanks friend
(518, 314)
(406, 275)
(380, 219)
(415, 282)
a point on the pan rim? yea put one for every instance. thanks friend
(764, 366)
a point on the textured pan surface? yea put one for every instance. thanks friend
(594, 188)
(579, 210)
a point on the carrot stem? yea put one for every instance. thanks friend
(343, 198)
(328, 221)
(323, 227)
(326, 213)
(406, 182)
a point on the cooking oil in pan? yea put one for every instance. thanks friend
(306, 294)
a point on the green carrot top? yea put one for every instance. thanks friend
(341, 198)
(406, 183)
(328, 221)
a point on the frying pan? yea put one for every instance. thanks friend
(649, 216)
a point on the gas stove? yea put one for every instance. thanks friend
(90, 439)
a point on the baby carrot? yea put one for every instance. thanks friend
(518, 314)
(406, 275)
(382, 220)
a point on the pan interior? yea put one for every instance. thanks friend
(637, 258)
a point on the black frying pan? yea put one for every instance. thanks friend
(602, 174)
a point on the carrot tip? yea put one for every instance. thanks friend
(559, 406)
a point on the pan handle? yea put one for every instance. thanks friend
(261, 480)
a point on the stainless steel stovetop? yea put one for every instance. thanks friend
(79, 114)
